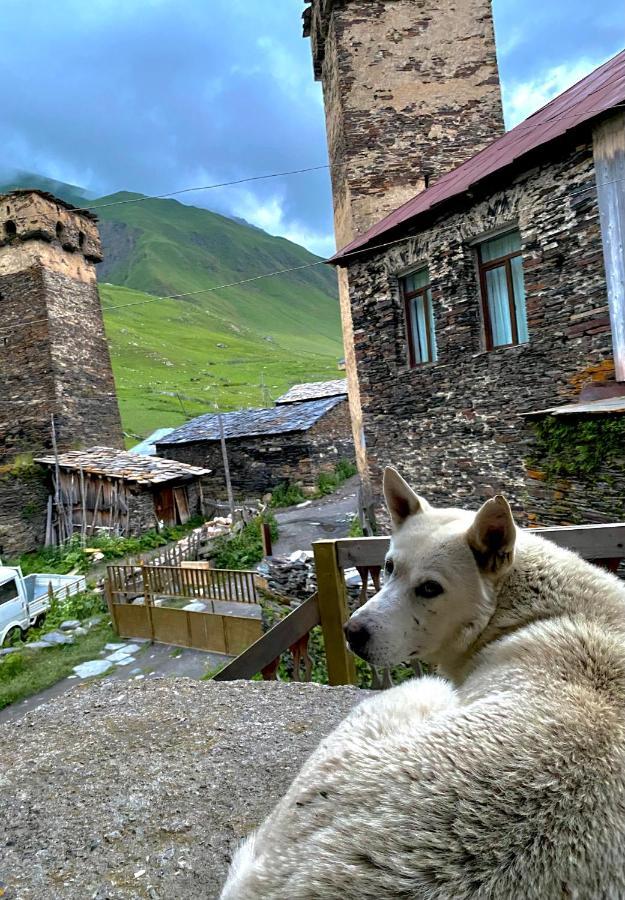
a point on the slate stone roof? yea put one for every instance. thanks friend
(121, 464)
(252, 422)
(314, 390)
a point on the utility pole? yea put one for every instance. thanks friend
(224, 453)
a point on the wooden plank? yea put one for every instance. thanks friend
(609, 157)
(590, 541)
(333, 613)
(133, 621)
(240, 631)
(272, 644)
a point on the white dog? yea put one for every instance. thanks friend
(508, 780)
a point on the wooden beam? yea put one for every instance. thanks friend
(333, 613)
(267, 648)
(590, 541)
(609, 157)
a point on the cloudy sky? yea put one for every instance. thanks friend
(158, 95)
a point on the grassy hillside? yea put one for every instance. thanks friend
(183, 349)
(212, 347)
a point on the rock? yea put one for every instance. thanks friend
(196, 606)
(135, 672)
(206, 760)
(304, 504)
(57, 637)
(92, 667)
(93, 620)
(114, 646)
(5, 652)
(38, 645)
(125, 661)
(123, 653)
(80, 631)
(69, 625)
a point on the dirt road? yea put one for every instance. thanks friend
(329, 517)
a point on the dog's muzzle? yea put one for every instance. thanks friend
(357, 636)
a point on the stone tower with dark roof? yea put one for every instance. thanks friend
(411, 90)
(54, 358)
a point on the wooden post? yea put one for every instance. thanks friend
(333, 613)
(147, 597)
(265, 533)
(609, 157)
(224, 453)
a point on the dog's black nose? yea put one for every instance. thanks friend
(356, 634)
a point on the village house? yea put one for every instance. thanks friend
(291, 442)
(494, 294)
(103, 490)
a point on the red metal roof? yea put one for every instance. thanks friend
(596, 94)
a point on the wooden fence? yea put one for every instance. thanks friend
(602, 544)
(138, 595)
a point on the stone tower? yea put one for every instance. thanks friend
(411, 90)
(54, 359)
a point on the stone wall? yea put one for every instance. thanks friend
(258, 464)
(454, 427)
(23, 505)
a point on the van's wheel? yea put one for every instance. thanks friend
(39, 620)
(15, 635)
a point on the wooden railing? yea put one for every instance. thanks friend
(602, 544)
(152, 582)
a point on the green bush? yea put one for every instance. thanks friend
(11, 665)
(286, 495)
(577, 447)
(72, 556)
(245, 549)
(328, 482)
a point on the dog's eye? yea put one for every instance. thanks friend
(429, 589)
(389, 566)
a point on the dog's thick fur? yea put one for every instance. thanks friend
(505, 781)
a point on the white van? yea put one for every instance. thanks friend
(25, 599)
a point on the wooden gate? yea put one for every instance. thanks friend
(138, 596)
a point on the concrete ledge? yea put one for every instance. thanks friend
(143, 789)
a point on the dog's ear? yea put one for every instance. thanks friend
(401, 500)
(492, 536)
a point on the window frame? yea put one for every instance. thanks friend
(483, 268)
(408, 297)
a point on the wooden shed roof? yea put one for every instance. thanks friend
(111, 463)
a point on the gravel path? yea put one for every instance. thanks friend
(143, 789)
(327, 518)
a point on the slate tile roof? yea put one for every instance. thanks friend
(121, 464)
(252, 422)
(590, 98)
(313, 390)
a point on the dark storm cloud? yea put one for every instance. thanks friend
(156, 95)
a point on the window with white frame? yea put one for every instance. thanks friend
(503, 290)
(420, 324)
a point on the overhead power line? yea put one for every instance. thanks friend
(201, 187)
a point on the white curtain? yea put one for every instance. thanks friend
(432, 327)
(519, 299)
(419, 333)
(498, 307)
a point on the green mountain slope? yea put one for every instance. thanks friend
(232, 347)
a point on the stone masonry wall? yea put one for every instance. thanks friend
(23, 503)
(454, 427)
(258, 464)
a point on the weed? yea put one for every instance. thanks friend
(245, 549)
(287, 495)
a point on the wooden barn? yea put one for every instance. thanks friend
(102, 490)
